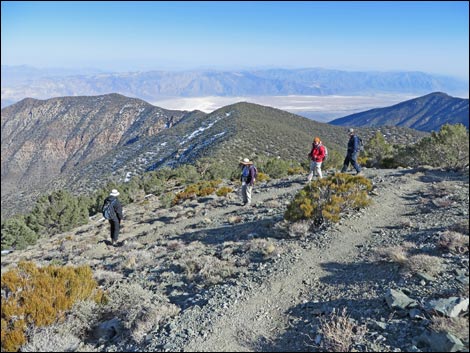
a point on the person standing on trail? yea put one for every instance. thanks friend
(354, 146)
(112, 211)
(248, 177)
(316, 155)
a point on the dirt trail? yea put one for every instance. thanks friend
(261, 315)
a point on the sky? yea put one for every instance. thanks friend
(427, 36)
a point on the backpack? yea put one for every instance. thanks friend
(326, 153)
(255, 171)
(361, 145)
(108, 210)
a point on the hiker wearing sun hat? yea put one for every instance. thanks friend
(112, 211)
(248, 177)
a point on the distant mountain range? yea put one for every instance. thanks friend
(80, 143)
(19, 82)
(427, 113)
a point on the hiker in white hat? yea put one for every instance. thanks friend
(112, 211)
(248, 177)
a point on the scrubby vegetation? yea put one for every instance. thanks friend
(62, 211)
(33, 297)
(326, 199)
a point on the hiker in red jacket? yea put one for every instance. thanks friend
(316, 155)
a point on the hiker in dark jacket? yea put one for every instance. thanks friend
(354, 147)
(247, 178)
(116, 215)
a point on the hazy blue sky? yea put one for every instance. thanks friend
(429, 36)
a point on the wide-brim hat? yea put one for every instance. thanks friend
(114, 192)
(246, 161)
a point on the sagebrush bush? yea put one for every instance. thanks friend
(325, 199)
(223, 191)
(340, 334)
(38, 296)
(137, 307)
(202, 188)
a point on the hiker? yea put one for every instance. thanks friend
(354, 146)
(248, 177)
(316, 155)
(115, 214)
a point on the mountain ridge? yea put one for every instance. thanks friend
(426, 113)
(154, 85)
(77, 148)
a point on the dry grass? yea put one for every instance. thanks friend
(454, 242)
(299, 229)
(395, 254)
(340, 334)
(461, 227)
(458, 326)
(431, 265)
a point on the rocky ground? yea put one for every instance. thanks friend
(245, 280)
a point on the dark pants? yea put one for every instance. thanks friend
(114, 229)
(351, 158)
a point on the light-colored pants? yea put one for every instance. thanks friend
(315, 167)
(246, 193)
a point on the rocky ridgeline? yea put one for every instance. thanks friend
(244, 279)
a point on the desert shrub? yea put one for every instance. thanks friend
(223, 191)
(16, 234)
(138, 309)
(51, 339)
(457, 326)
(397, 254)
(453, 241)
(448, 148)
(166, 199)
(335, 160)
(33, 296)
(296, 170)
(340, 333)
(325, 199)
(260, 249)
(187, 173)
(56, 213)
(461, 226)
(262, 177)
(431, 265)
(207, 269)
(276, 167)
(299, 229)
(378, 151)
(153, 183)
(202, 188)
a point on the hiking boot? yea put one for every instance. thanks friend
(360, 173)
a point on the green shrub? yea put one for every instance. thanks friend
(448, 148)
(56, 213)
(223, 191)
(33, 296)
(16, 234)
(377, 150)
(325, 199)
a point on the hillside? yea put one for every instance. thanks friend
(42, 140)
(80, 143)
(427, 113)
(240, 279)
